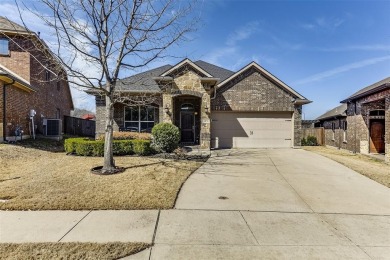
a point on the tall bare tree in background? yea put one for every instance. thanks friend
(109, 36)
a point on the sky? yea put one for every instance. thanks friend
(326, 50)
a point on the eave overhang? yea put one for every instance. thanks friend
(367, 93)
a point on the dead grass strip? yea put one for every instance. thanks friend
(75, 250)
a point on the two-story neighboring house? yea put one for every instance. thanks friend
(28, 83)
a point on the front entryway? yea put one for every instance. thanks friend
(187, 118)
(377, 136)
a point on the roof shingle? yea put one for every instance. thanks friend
(339, 111)
(369, 90)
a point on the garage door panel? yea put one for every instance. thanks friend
(242, 142)
(252, 130)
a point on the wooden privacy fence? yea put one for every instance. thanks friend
(318, 132)
(79, 126)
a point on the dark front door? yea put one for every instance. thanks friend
(187, 127)
(377, 136)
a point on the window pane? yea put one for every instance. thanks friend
(147, 126)
(144, 114)
(4, 50)
(150, 114)
(134, 114)
(131, 126)
(127, 114)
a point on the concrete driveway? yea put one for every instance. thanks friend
(275, 204)
(241, 204)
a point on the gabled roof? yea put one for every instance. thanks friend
(142, 82)
(214, 70)
(182, 63)
(340, 111)
(9, 76)
(263, 71)
(7, 25)
(378, 86)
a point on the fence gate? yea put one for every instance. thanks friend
(79, 126)
(318, 132)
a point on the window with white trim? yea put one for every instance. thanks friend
(4, 46)
(333, 131)
(139, 118)
(345, 131)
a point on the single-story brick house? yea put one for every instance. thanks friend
(335, 126)
(25, 84)
(212, 106)
(363, 120)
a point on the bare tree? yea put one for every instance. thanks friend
(109, 36)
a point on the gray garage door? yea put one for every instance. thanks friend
(251, 130)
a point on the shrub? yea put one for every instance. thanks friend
(309, 141)
(128, 136)
(166, 137)
(86, 147)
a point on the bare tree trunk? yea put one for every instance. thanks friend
(109, 164)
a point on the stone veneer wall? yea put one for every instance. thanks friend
(188, 83)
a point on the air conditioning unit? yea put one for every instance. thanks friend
(53, 127)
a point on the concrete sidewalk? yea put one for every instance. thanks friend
(255, 204)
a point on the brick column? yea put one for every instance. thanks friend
(297, 126)
(100, 116)
(205, 122)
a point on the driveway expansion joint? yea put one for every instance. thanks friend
(249, 228)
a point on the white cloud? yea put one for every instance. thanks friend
(372, 47)
(230, 50)
(351, 66)
(323, 23)
(242, 33)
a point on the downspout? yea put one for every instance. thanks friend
(5, 109)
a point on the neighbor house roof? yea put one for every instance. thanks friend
(9, 26)
(339, 111)
(378, 86)
(9, 76)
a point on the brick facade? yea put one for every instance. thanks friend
(252, 91)
(249, 91)
(335, 135)
(358, 124)
(52, 97)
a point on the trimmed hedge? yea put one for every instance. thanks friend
(87, 147)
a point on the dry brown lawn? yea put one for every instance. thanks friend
(33, 179)
(374, 169)
(70, 250)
